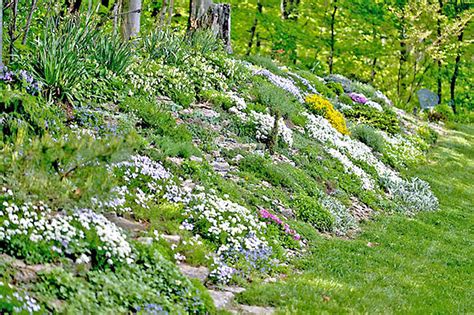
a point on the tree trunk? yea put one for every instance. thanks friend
(253, 29)
(289, 9)
(164, 6)
(332, 41)
(374, 71)
(115, 12)
(440, 85)
(456, 73)
(71, 6)
(12, 29)
(131, 10)
(170, 11)
(401, 83)
(28, 21)
(204, 14)
(1, 36)
(374, 60)
(75, 6)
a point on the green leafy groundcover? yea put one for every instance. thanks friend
(151, 284)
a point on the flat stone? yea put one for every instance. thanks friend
(222, 299)
(173, 239)
(125, 223)
(287, 212)
(176, 160)
(270, 280)
(196, 159)
(145, 240)
(221, 166)
(209, 113)
(255, 310)
(233, 289)
(199, 273)
(28, 273)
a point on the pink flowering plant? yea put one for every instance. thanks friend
(275, 223)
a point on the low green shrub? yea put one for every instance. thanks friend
(427, 134)
(270, 96)
(217, 98)
(263, 169)
(346, 99)
(66, 171)
(442, 112)
(318, 84)
(368, 135)
(362, 88)
(336, 87)
(267, 63)
(25, 114)
(386, 120)
(153, 284)
(309, 210)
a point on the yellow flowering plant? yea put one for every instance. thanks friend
(322, 106)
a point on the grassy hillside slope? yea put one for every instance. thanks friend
(422, 264)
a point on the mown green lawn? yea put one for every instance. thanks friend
(423, 264)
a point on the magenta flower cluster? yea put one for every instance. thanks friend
(359, 98)
(265, 214)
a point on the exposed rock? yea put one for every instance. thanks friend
(255, 310)
(172, 239)
(196, 159)
(145, 240)
(222, 299)
(360, 211)
(237, 158)
(23, 271)
(270, 280)
(287, 212)
(188, 185)
(175, 160)
(233, 289)
(199, 273)
(221, 167)
(126, 224)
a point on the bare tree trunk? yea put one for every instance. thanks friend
(1, 36)
(289, 9)
(456, 73)
(333, 39)
(131, 10)
(204, 14)
(272, 139)
(28, 21)
(164, 6)
(115, 12)
(374, 71)
(170, 11)
(374, 60)
(401, 84)
(253, 29)
(440, 85)
(76, 5)
(12, 29)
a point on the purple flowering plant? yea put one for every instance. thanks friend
(21, 79)
(359, 98)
